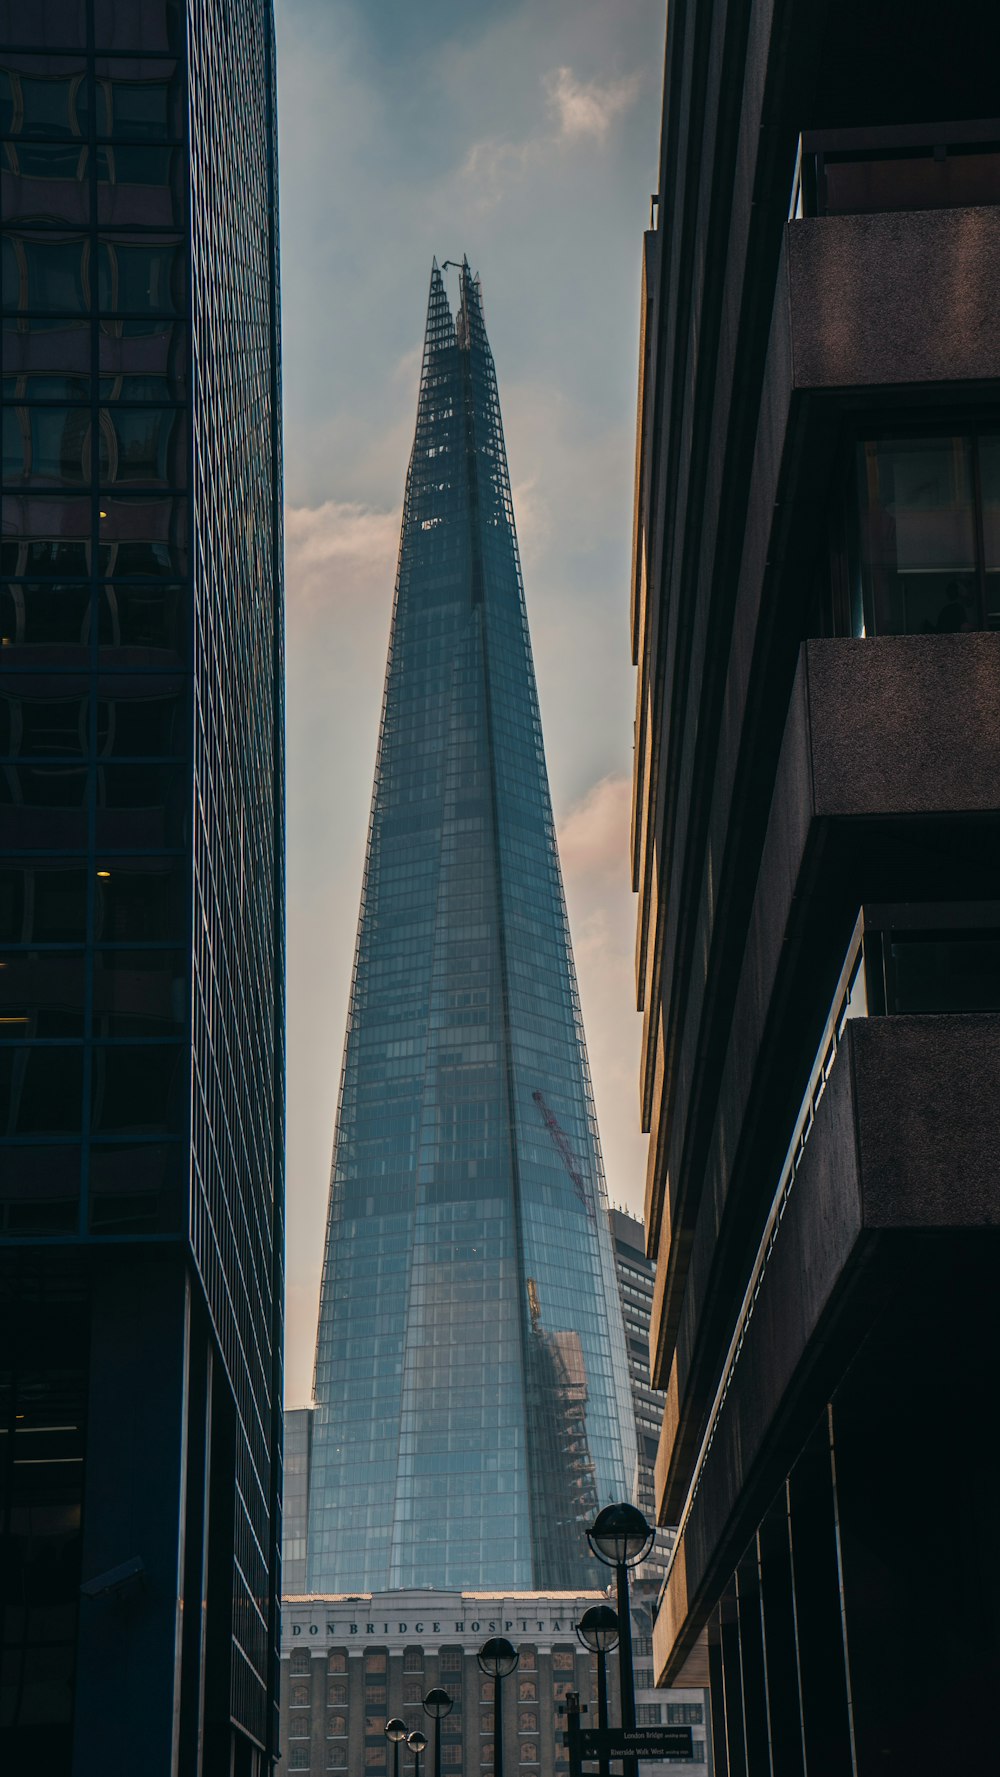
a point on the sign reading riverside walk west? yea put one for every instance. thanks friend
(648, 1742)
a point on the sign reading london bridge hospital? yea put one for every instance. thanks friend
(400, 1619)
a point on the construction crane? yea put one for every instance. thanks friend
(565, 1152)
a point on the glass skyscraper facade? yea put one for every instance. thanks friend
(141, 887)
(472, 1401)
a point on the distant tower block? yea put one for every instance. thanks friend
(471, 1382)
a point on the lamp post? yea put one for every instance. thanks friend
(598, 1631)
(498, 1658)
(395, 1731)
(621, 1538)
(417, 1743)
(437, 1704)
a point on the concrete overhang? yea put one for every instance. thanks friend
(900, 1167)
(884, 738)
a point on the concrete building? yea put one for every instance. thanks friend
(815, 626)
(349, 1663)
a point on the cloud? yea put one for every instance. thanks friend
(594, 836)
(337, 553)
(588, 107)
(581, 109)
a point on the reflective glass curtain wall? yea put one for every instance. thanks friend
(141, 833)
(471, 1385)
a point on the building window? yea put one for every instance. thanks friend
(486, 1721)
(562, 1660)
(451, 1659)
(561, 1688)
(374, 1757)
(921, 553)
(527, 1659)
(375, 1724)
(298, 1757)
(374, 1662)
(486, 1690)
(413, 1659)
(298, 1696)
(561, 1754)
(486, 1756)
(644, 1678)
(336, 1758)
(336, 1724)
(528, 1753)
(300, 1725)
(375, 1696)
(642, 1646)
(685, 1712)
(413, 1692)
(527, 1690)
(336, 1660)
(452, 1755)
(698, 1751)
(336, 1691)
(299, 1662)
(646, 1714)
(527, 1722)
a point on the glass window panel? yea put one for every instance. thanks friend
(42, 900)
(144, 361)
(42, 96)
(41, 1090)
(139, 101)
(39, 1189)
(45, 360)
(918, 551)
(46, 274)
(140, 184)
(141, 277)
(45, 615)
(137, 1089)
(46, 446)
(150, 619)
(140, 807)
(43, 805)
(989, 481)
(45, 184)
(143, 535)
(938, 974)
(41, 727)
(143, 444)
(42, 994)
(336, 1660)
(139, 993)
(141, 900)
(135, 1187)
(148, 719)
(139, 24)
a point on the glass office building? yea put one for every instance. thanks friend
(472, 1405)
(141, 894)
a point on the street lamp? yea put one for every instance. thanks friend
(437, 1704)
(598, 1631)
(621, 1538)
(395, 1731)
(417, 1743)
(498, 1658)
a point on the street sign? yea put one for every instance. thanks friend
(648, 1742)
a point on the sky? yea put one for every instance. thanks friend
(523, 133)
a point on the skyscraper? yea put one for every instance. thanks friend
(816, 624)
(141, 895)
(471, 1387)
